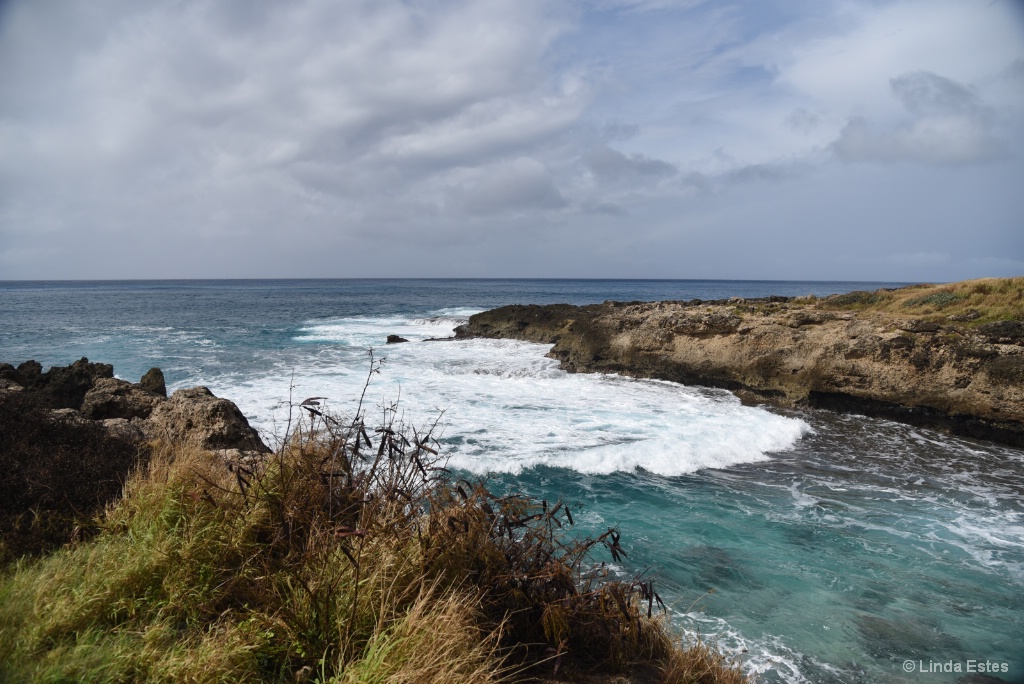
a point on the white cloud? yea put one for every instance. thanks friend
(229, 135)
(522, 185)
(949, 126)
(848, 70)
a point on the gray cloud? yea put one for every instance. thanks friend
(619, 138)
(607, 163)
(522, 185)
(803, 120)
(949, 126)
(924, 93)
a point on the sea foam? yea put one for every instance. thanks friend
(506, 407)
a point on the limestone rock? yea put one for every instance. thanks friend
(196, 415)
(917, 325)
(112, 398)
(153, 381)
(122, 428)
(775, 350)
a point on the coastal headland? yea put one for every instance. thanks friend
(947, 356)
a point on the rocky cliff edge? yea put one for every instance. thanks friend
(946, 356)
(136, 412)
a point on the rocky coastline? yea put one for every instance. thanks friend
(71, 437)
(136, 412)
(908, 362)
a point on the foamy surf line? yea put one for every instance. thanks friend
(508, 408)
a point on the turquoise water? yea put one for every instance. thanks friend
(867, 544)
(837, 547)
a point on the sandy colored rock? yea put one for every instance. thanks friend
(196, 415)
(122, 428)
(112, 398)
(968, 380)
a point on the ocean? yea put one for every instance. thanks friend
(815, 547)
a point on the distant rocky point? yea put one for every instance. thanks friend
(949, 356)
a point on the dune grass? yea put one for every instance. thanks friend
(970, 301)
(341, 558)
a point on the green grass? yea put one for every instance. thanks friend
(341, 558)
(973, 301)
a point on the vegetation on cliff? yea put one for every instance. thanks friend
(975, 302)
(348, 555)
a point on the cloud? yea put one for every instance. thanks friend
(949, 126)
(522, 185)
(228, 136)
(606, 163)
(924, 93)
(207, 113)
(802, 120)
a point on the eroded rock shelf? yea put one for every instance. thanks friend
(963, 377)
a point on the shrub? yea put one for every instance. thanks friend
(349, 555)
(939, 300)
(857, 298)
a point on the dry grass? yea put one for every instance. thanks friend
(971, 301)
(348, 556)
(698, 663)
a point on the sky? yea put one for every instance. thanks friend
(748, 139)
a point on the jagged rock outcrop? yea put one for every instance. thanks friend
(112, 398)
(395, 339)
(134, 412)
(153, 381)
(196, 415)
(70, 438)
(966, 379)
(60, 386)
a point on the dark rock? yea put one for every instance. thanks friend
(113, 398)
(1003, 332)
(29, 371)
(61, 386)
(57, 470)
(395, 339)
(153, 381)
(9, 373)
(917, 325)
(9, 387)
